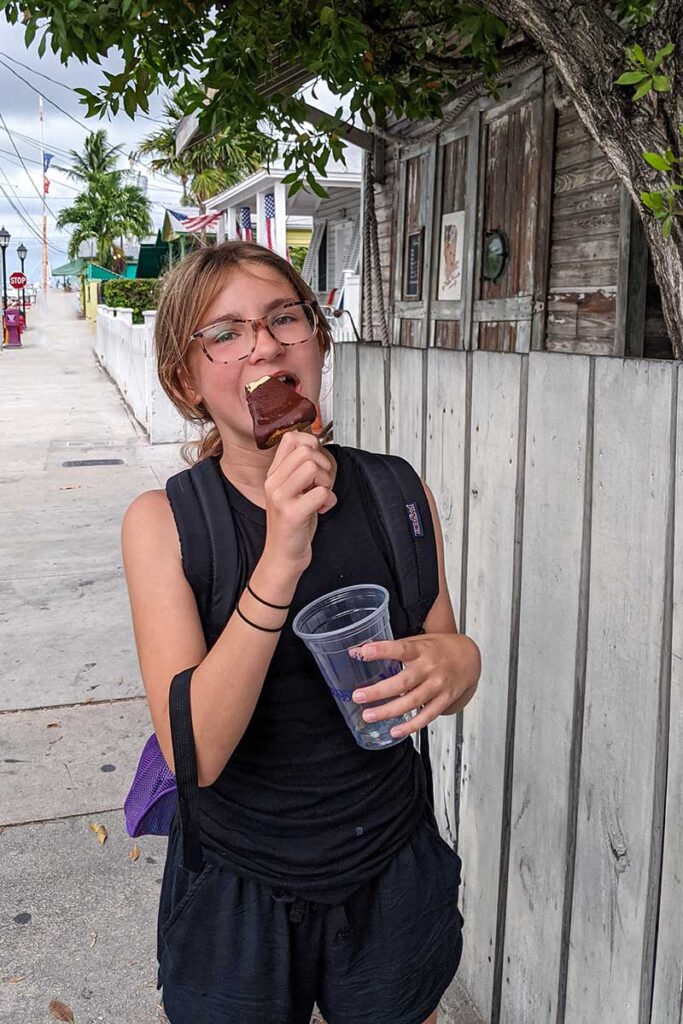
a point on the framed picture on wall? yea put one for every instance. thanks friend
(412, 272)
(451, 256)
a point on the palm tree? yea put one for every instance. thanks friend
(208, 166)
(108, 209)
(98, 157)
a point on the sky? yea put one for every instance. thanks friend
(19, 91)
(19, 108)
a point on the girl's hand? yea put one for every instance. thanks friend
(440, 677)
(298, 488)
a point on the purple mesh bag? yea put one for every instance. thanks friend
(153, 797)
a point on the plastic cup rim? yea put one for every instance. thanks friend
(356, 625)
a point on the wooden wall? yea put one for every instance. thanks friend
(577, 279)
(557, 478)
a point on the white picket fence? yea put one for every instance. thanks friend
(126, 351)
(558, 480)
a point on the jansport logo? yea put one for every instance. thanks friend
(415, 520)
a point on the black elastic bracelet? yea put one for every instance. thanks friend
(264, 629)
(280, 607)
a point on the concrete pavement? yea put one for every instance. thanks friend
(77, 919)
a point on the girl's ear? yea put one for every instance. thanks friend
(187, 390)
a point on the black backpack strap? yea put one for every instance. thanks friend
(208, 542)
(185, 764)
(214, 569)
(405, 521)
(407, 529)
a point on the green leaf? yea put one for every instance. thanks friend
(31, 30)
(662, 83)
(316, 187)
(43, 43)
(637, 53)
(661, 54)
(642, 89)
(129, 103)
(631, 77)
(657, 161)
(667, 224)
(326, 15)
(653, 200)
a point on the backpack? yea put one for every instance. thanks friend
(214, 569)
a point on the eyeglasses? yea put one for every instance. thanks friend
(229, 340)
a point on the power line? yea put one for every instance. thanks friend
(27, 221)
(30, 160)
(63, 85)
(28, 175)
(67, 114)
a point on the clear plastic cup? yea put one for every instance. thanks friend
(330, 626)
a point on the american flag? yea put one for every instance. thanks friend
(245, 217)
(269, 206)
(203, 222)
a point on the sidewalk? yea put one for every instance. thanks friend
(78, 919)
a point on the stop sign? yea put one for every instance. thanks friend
(17, 280)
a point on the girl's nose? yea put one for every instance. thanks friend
(264, 342)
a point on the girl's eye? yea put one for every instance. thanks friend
(225, 336)
(283, 319)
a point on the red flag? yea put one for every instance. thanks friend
(46, 186)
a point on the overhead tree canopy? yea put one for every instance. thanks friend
(400, 58)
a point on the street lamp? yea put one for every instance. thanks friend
(4, 242)
(21, 253)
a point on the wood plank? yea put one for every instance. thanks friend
(497, 337)
(580, 153)
(611, 913)
(668, 986)
(565, 276)
(493, 483)
(345, 397)
(592, 250)
(371, 372)
(552, 543)
(603, 196)
(445, 474)
(590, 224)
(581, 314)
(406, 398)
(411, 334)
(447, 334)
(586, 347)
(588, 176)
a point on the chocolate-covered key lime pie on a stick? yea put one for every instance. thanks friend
(275, 408)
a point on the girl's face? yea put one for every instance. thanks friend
(251, 291)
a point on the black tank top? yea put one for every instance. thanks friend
(299, 805)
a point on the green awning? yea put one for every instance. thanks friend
(71, 269)
(151, 260)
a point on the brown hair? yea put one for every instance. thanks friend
(188, 291)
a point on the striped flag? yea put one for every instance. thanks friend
(269, 206)
(247, 230)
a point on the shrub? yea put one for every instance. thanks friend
(137, 294)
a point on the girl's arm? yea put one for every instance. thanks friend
(168, 632)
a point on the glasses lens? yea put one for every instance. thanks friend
(227, 341)
(292, 324)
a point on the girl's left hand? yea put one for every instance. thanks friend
(440, 676)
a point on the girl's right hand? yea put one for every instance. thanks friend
(298, 488)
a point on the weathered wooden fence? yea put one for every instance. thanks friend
(557, 478)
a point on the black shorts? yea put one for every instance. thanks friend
(234, 951)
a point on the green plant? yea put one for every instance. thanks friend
(646, 75)
(297, 254)
(138, 294)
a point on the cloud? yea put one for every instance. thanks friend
(61, 134)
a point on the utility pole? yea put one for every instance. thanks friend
(42, 165)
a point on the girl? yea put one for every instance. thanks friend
(325, 878)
